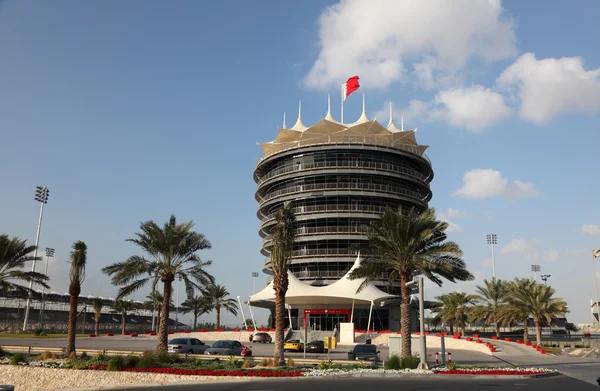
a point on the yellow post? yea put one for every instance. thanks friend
(326, 342)
(333, 342)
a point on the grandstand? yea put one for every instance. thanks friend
(56, 314)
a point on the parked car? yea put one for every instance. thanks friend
(316, 347)
(293, 344)
(187, 345)
(262, 338)
(226, 347)
(365, 352)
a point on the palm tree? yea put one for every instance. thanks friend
(97, 304)
(463, 303)
(14, 252)
(123, 307)
(445, 311)
(171, 252)
(76, 277)
(197, 305)
(517, 309)
(216, 296)
(284, 235)
(493, 298)
(543, 306)
(403, 244)
(154, 303)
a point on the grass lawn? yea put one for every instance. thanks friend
(31, 335)
(552, 350)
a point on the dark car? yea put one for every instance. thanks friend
(365, 352)
(316, 347)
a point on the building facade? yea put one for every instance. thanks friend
(338, 178)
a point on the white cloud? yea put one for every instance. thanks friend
(474, 108)
(377, 39)
(549, 87)
(576, 253)
(591, 229)
(486, 262)
(550, 255)
(480, 184)
(520, 247)
(448, 214)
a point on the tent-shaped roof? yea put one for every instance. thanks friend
(343, 291)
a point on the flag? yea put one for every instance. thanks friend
(596, 253)
(350, 86)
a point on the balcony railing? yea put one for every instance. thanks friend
(351, 140)
(340, 186)
(334, 229)
(336, 164)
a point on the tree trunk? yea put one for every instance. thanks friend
(72, 329)
(158, 312)
(195, 319)
(497, 330)
(163, 326)
(97, 326)
(526, 330)
(218, 310)
(123, 319)
(538, 331)
(451, 326)
(463, 329)
(280, 284)
(405, 316)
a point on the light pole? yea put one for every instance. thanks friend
(545, 277)
(41, 195)
(177, 304)
(535, 269)
(492, 239)
(254, 277)
(595, 254)
(49, 254)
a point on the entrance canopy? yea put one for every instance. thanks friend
(343, 291)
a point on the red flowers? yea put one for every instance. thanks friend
(217, 372)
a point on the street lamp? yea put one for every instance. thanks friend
(41, 195)
(595, 254)
(492, 239)
(254, 277)
(49, 254)
(545, 277)
(535, 269)
(177, 304)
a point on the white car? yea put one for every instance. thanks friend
(187, 345)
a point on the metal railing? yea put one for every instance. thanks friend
(336, 164)
(338, 186)
(351, 140)
(307, 231)
(333, 208)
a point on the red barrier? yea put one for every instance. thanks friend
(468, 339)
(495, 338)
(109, 334)
(134, 335)
(91, 335)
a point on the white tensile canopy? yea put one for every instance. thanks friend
(343, 291)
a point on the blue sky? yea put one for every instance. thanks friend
(131, 111)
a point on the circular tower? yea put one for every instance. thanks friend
(338, 178)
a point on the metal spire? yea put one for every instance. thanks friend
(364, 104)
(329, 116)
(299, 125)
(284, 125)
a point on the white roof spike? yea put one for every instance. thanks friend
(284, 125)
(402, 123)
(299, 125)
(363, 117)
(329, 116)
(391, 126)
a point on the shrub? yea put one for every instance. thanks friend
(393, 363)
(363, 364)
(325, 364)
(132, 361)
(2, 352)
(18, 358)
(291, 363)
(72, 356)
(411, 362)
(99, 357)
(148, 360)
(166, 358)
(84, 356)
(452, 365)
(249, 363)
(37, 332)
(116, 363)
(267, 362)
(48, 355)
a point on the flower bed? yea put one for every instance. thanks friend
(342, 372)
(218, 372)
(492, 371)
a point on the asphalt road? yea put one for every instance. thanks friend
(141, 344)
(556, 383)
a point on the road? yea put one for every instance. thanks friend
(557, 383)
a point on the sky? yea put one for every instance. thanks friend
(133, 111)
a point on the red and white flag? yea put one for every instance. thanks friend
(350, 86)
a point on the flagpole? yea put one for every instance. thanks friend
(342, 95)
(595, 285)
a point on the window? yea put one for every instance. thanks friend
(179, 341)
